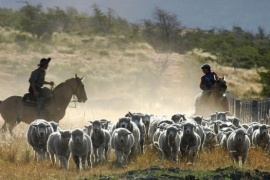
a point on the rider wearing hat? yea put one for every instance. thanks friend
(208, 79)
(37, 80)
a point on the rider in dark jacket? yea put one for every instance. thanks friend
(37, 80)
(208, 79)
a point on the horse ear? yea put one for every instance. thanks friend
(76, 75)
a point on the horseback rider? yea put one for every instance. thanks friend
(37, 80)
(208, 79)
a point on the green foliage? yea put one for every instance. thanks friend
(265, 80)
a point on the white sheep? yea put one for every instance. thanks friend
(261, 137)
(101, 141)
(169, 143)
(238, 145)
(80, 147)
(37, 136)
(58, 145)
(190, 142)
(126, 122)
(122, 142)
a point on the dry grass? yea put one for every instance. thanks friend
(16, 155)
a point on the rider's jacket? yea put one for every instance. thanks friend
(37, 77)
(208, 80)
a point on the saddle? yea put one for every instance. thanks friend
(30, 99)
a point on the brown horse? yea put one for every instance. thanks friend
(212, 100)
(13, 110)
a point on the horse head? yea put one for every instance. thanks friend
(79, 90)
(220, 86)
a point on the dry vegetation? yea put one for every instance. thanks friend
(120, 77)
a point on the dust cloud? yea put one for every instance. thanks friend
(171, 88)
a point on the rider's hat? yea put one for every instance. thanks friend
(44, 61)
(205, 66)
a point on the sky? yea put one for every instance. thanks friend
(204, 14)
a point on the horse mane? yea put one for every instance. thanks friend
(62, 84)
(59, 86)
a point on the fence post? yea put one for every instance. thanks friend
(237, 108)
(254, 111)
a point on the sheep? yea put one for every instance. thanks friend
(198, 119)
(88, 129)
(146, 119)
(251, 129)
(261, 137)
(136, 118)
(100, 140)
(178, 118)
(162, 127)
(238, 145)
(58, 145)
(155, 123)
(80, 146)
(219, 116)
(224, 138)
(105, 124)
(55, 126)
(190, 142)
(169, 143)
(122, 142)
(209, 142)
(37, 136)
(125, 122)
(235, 121)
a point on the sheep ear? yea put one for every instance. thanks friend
(129, 133)
(91, 122)
(47, 125)
(130, 114)
(34, 125)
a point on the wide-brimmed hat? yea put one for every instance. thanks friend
(44, 61)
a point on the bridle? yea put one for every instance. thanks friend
(74, 97)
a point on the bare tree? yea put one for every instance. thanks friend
(166, 22)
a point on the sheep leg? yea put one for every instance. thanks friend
(63, 162)
(119, 157)
(244, 159)
(77, 161)
(84, 158)
(192, 156)
(88, 158)
(141, 145)
(106, 153)
(53, 159)
(100, 153)
(95, 155)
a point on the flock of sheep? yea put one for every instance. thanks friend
(177, 138)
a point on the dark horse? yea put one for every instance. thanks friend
(14, 110)
(212, 100)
